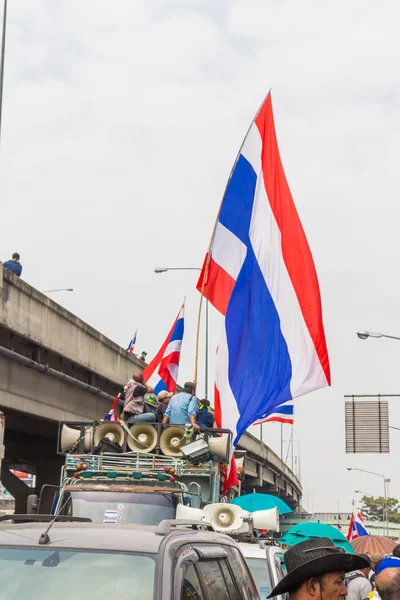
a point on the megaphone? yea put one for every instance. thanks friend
(223, 517)
(69, 437)
(144, 437)
(110, 431)
(188, 513)
(172, 440)
(218, 446)
(266, 519)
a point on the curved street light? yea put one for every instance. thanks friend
(386, 482)
(59, 290)
(164, 270)
(363, 335)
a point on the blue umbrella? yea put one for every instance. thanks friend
(253, 502)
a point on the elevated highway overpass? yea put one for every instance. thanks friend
(54, 366)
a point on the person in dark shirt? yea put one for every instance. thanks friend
(204, 418)
(163, 398)
(14, 265)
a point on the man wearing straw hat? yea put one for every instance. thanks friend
(316, 571)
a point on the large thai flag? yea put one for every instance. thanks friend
(260, 274)
(356, 528)
(281, 414)
(162, 372)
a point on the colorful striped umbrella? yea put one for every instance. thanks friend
(373, 544)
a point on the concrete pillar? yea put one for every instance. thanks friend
(17, 488)
(48, 471)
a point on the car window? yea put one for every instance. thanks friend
(191, 589)
(280, 565)
(214, 581)
(242, 575)
(229, 580)
(262, 578)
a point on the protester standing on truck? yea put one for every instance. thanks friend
(205, 418)
(163, 398)
(182, 407)
(135, 390)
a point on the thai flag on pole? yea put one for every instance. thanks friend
(162, 372)
(110, 416)
(260, 274)
(132, 343)
(282, 414)
(356, 528)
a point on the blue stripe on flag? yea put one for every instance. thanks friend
(285, 409)
(177, 334)
(160, 387)
(238, 200)
(251, 305)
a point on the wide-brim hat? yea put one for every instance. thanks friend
(312, 558)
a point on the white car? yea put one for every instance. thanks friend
(266, 566)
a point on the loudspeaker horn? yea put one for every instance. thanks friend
(223, 517)
(69, 437)
(218, 446)
(188, 513)
(144, 437)
(172, 440)
(266, 519)
(111, 431)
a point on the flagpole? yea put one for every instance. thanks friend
(196, 365)
(281, 442)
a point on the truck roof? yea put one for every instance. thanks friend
(99, 536)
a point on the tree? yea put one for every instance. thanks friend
(374, 508)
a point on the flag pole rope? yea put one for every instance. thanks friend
(196, 364)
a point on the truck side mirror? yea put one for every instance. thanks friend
(32, 505)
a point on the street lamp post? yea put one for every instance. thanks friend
(363, 335)
(164, 270)
(298, 454)
(59, 290)
(385, 491)
(383, 509)
(3, 50)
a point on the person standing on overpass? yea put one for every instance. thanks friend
(14, 265)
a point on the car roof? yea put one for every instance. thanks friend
(99, 536)
(253, 550)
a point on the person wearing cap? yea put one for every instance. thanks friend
(14, 265)
(358, 584)
(388, 579)
(316, 570)
(163, 399)
(182, 407)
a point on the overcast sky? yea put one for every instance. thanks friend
(121, 121)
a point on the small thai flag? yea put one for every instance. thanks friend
(356, 528)
(282, 414)
(111, 413)
(132, 343)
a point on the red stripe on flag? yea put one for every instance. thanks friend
(217, 408)
(151, 367)
(231, 477)
(296, 251)
(275, 420)
(218, 285)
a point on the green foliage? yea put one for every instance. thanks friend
(373, 509)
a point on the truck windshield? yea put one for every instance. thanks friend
(261, 575)
(44, 573)
(122, 507)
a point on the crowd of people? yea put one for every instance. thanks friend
(318, 570)
(175, 409)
